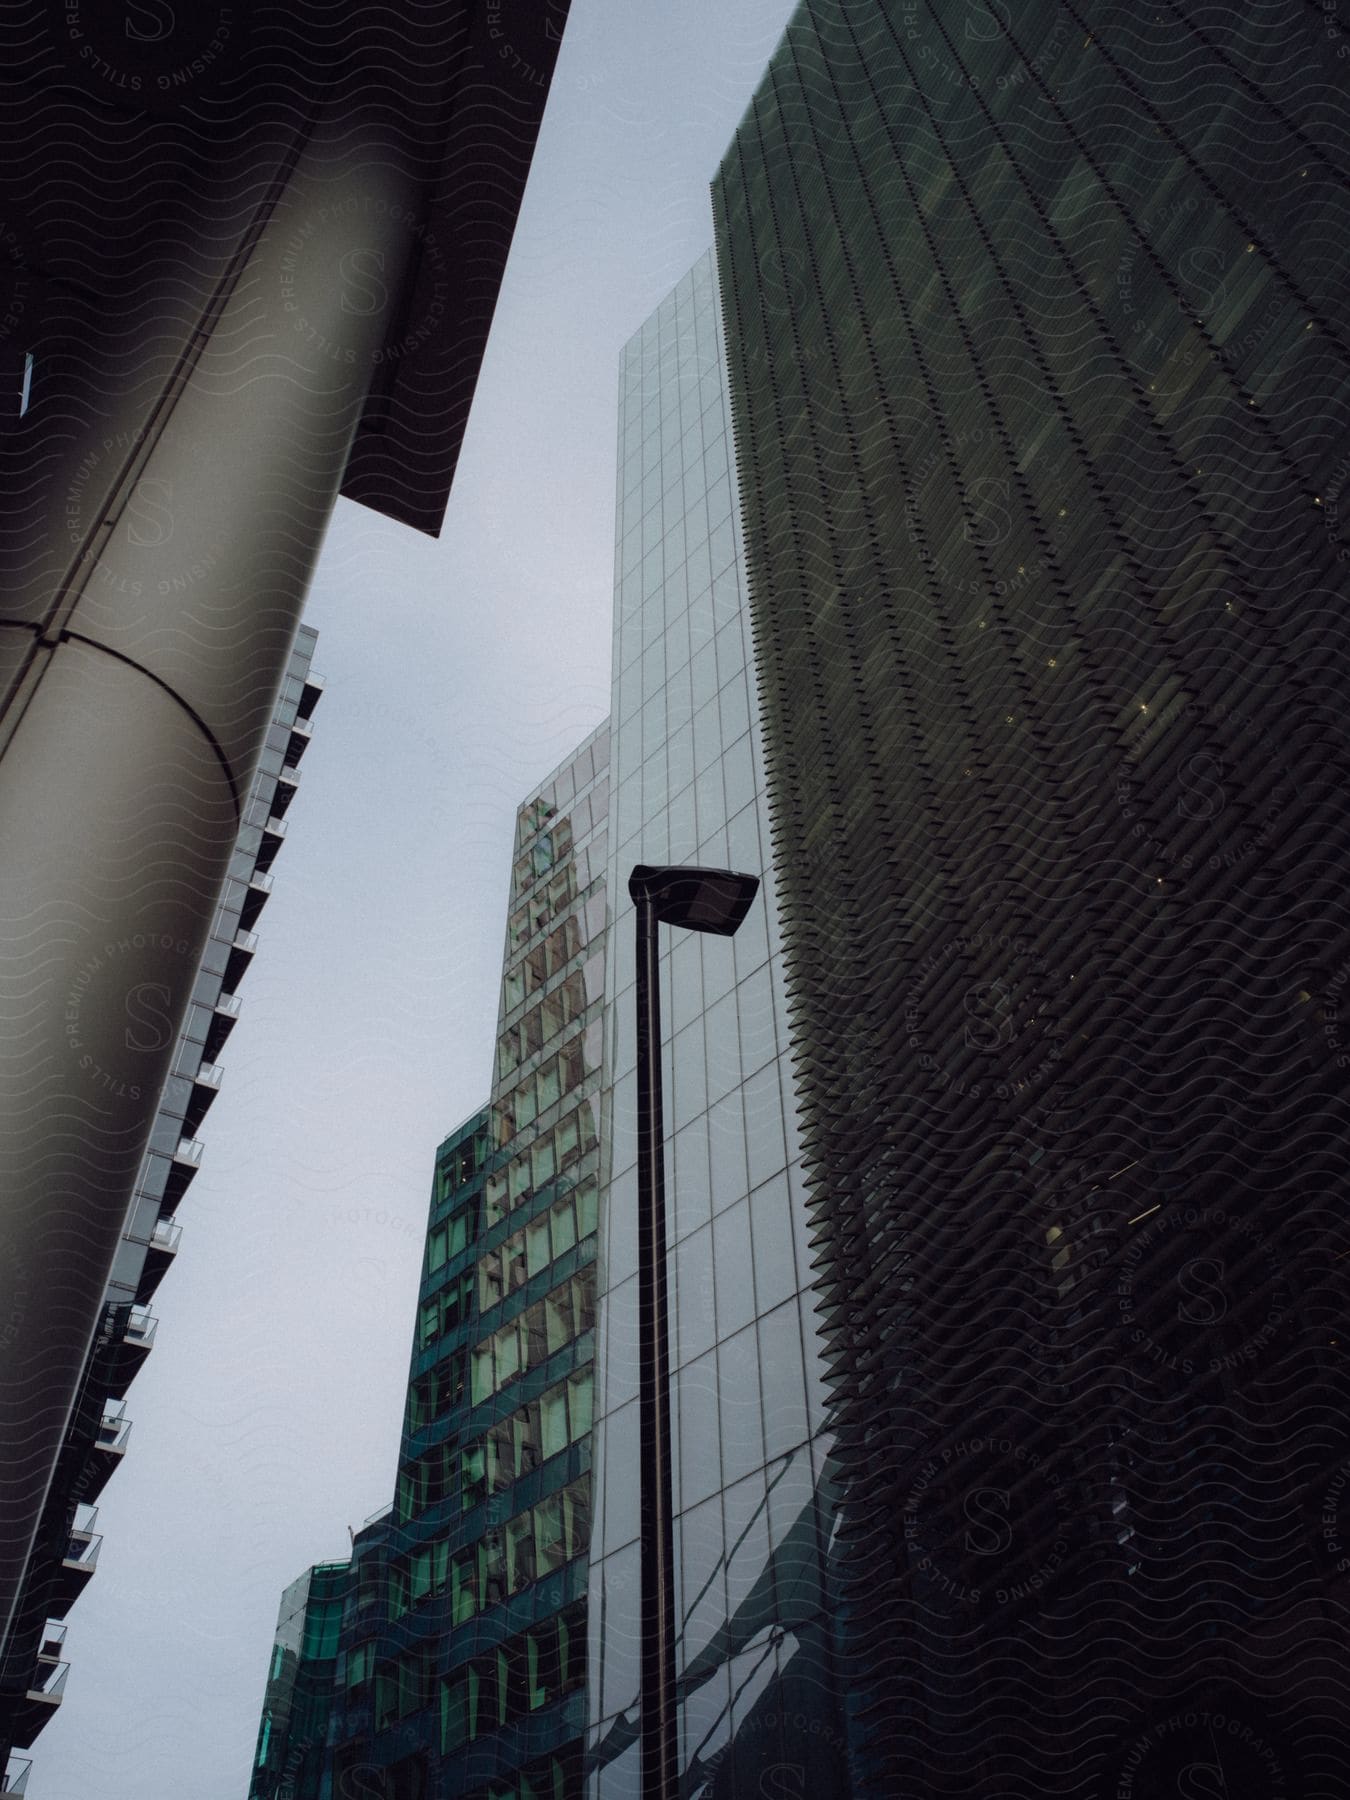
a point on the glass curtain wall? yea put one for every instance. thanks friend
(749, 1454)
(461, 1667)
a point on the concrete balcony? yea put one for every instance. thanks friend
(160, 1252)
(130, 1344)
(183, 1165)
(223, 1016)
(106, 1451)
(206, 1082)
(39, 1703)
(301, 733)
(256, 894)
(241, 955)
(287, 783)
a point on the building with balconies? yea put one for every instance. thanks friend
(190, 378)
(96, 1441)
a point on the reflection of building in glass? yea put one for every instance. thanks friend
(33, 1664)
(757, 1708)
(1036, 327)
(461, 1666)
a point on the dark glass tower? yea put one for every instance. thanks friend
(1037, 322)
(460, 1669)
(294, 1730)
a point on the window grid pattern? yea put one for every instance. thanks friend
(490, 1528)
(687, 787)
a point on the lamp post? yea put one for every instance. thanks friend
(713, 900)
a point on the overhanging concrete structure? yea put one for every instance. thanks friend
(250, 259)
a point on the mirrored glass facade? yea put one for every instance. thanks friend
(756, 1693)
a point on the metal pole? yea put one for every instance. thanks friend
(660, 1742)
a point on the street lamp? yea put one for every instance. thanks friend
(714, 900)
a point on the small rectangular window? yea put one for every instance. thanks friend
(496, 1198)
(525, 1428)
(558, 1317)
(542, 1655)
(547, 1084)
(580, 1388)
(473, 1476)
(386, 1696)
(587, 1208)
(572, 1648)
(567, 1139)
(517, 1265)
(534, 1347)
(548, 1534)
(492, 1567)
(577, 1516)
(506, 1353)
(398, 1592)
(420, 1582)
(412, 1683)
(563, 1225)
(464, 1588)
(482, 1371)
(583, 1300)
(461, 1228)
(519, 1553)
(454, 1713)
(553, 1420)
(536, 1243)
(489, 1280)
(543, 1162)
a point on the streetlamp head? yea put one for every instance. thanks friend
(715, 900)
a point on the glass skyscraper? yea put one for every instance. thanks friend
(477, 1654)
(456, 1661)
(756, 1693)
(1037, 327)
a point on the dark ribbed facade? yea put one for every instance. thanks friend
(1036, 324)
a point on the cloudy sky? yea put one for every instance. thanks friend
(458, 673)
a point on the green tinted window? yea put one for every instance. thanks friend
(322, 1623)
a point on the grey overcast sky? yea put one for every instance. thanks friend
(459, 672)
